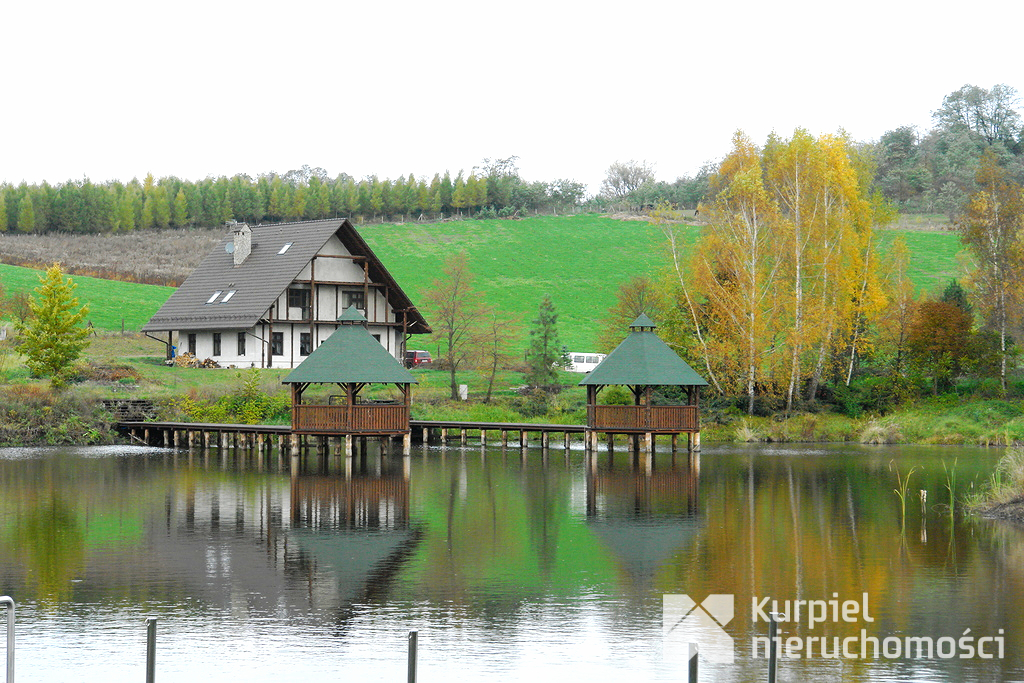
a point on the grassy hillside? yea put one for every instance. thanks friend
(579, 260)
(109, 301)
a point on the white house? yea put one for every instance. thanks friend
(268, 295)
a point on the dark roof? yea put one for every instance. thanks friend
(643, 359)
(350, 354)
(264, 276)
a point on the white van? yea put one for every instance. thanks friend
(584, 362)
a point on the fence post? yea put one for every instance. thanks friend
(412, 656)
(150, 649)
(773, 647)
(9, 603)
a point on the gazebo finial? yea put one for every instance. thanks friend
(642, 323)
(352, 316)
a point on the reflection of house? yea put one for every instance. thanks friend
(267, 296)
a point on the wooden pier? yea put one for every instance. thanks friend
(204, 435)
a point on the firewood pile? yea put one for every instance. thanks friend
(187, 360)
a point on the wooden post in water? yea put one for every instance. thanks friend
(150, 649)
(412, 656)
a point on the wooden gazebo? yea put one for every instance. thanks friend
(351, 359)
(640, 363)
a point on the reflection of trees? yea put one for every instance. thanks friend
(545, 507)
(51, 540)
(806, 527)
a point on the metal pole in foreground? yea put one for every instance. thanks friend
(773, 639)
(691, 674)
(9, 603)
(150, 649)
(412, 656)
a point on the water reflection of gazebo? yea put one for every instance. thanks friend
(644, 520)
(641, 363)
(352, 359)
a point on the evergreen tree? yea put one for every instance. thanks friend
(179, 211)
(3, 211)
(125, 218)
(545, 352)
(54, 336)
(26, 215)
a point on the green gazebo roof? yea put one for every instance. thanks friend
(351, 354)
(643, 359)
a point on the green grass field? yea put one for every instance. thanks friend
(579, 260)
(110, 301)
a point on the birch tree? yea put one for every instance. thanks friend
(991, 227)
(736, 269)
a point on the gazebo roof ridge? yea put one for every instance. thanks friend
(643, 359)
(350, 355)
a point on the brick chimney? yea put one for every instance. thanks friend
(242, 235)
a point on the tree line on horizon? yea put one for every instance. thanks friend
(930, 172)
(494, 190)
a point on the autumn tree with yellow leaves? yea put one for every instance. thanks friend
(992, 227)
(785, 272)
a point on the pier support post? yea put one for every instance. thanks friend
(8, 602)
(407, 443)
(349, 443)
(463, 436)
(150, 649)
(483, 437)
(504, 438)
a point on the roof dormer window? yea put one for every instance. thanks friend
(227, 297)
(286, 247)
(215, 295)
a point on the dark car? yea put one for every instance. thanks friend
(417, 358)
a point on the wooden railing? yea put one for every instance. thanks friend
(354, 419)
(644, 418)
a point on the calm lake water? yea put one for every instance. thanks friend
(510, 569)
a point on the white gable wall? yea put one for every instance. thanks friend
(337, 281)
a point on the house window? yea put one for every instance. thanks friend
(214, 297)
(216, 343)
(227, 297)
(299, 298)
(305, 343)
(277, 344)
(357, 299)
(192, 343)
(286, 247)
(241, 343)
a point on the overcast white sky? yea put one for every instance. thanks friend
(116, 89)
